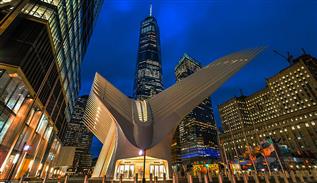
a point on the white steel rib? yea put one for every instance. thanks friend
(145, 123)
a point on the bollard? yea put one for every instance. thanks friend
(266, 178)
(205, 178)
(155, 179)
(300, 176)
(21, 179)
(190, 178)
(164, 177)
(151, 177)
(245, 178)
(314, 173)
(233, 178)
(86, 179)
(136, 178)
(238, 177)
(283, 175)
(220, 178)
(121, 178)
(256, 178)
(199, 177)
(174, 178)
(229, 176)
(210, 176)
(66, 179)
(307, 174)
(103, 179)
(276, 179)
(293, 177)
(59, 179)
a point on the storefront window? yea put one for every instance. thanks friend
(127, 171)
(15, 97)
(157, 170)
(40, 129)
(9, 90)
(5, 122)
(4, 79)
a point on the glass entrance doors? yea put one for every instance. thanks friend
(157, 170)
(129, 167)
(127, 171)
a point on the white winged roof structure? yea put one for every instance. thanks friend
(145, 123)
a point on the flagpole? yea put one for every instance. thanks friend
(256, 171)
(267, 164)
(278, 157)
(245, 137)
(222, 145)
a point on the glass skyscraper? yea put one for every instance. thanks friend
(196, 135)
(42, 45)
(148, 75)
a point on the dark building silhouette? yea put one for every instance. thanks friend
(79, 136)
(148, 75)
(196, 135)
(42, 45)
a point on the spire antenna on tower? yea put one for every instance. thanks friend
(151, 9)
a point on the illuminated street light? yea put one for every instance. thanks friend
(26, 147)
(140, 153)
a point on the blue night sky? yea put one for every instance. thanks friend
(206, 30)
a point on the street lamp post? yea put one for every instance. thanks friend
(143, 179)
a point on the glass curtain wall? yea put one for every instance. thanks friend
(23, 129)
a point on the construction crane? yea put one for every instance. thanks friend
(289, 58)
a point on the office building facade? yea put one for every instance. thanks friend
(148, 75)
(196, 133)
(284, 110)
(42, 45)
(79, 136)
